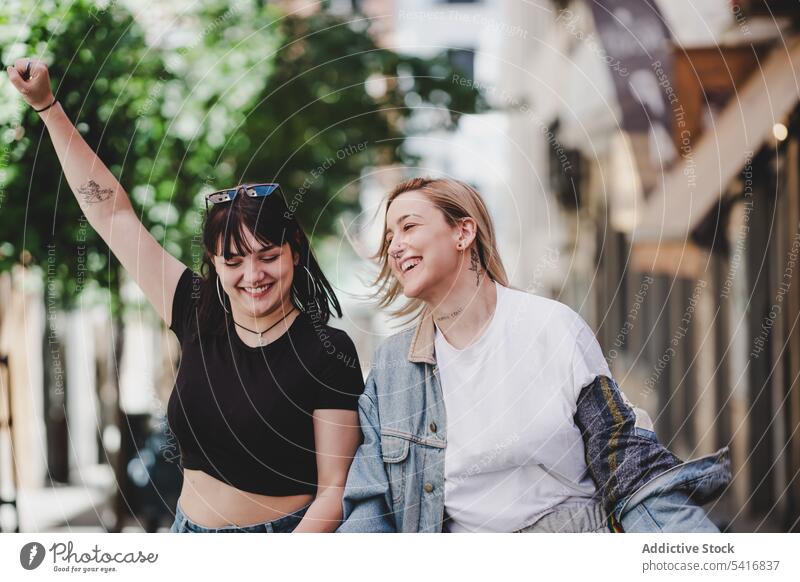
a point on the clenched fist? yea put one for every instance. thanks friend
(31, 79)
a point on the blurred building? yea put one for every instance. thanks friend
(675, 140)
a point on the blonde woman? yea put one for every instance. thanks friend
(497, 411)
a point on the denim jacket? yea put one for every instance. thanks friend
(396, 481)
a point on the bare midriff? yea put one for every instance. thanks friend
(211, 503)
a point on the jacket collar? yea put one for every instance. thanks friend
(422, 343)
(421, 350)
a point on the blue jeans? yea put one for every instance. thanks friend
(285, 524)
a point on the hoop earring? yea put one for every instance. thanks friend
(219, 296)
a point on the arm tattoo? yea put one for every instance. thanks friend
(92, 193)
(475, 265)
(451, 315)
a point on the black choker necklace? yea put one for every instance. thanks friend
(261, 333)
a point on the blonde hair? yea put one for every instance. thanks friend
(456, 200)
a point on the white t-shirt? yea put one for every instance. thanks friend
(513, 449)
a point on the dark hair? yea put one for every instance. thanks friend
(271, 224)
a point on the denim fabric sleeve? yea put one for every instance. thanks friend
(366, 501)
(620, 456)
(667, 512)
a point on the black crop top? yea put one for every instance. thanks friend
(244, 415)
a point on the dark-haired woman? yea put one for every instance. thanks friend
(264, 406)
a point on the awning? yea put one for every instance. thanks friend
(693, 187)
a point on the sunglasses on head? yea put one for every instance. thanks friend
(252, 190)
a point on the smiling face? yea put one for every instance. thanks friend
(423, 249)
(260, 282)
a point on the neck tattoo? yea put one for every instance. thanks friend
(475, 265)
(451, 315)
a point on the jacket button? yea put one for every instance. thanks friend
(428, 488)
(433, 427)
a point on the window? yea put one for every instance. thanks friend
(463, 60)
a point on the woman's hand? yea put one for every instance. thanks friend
(31, 78)
(102, 199)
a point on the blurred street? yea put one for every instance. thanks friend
(640, 159)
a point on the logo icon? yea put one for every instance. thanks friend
(31, 555)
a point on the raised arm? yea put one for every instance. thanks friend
(101, 197)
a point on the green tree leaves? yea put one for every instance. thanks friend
(232, 92)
